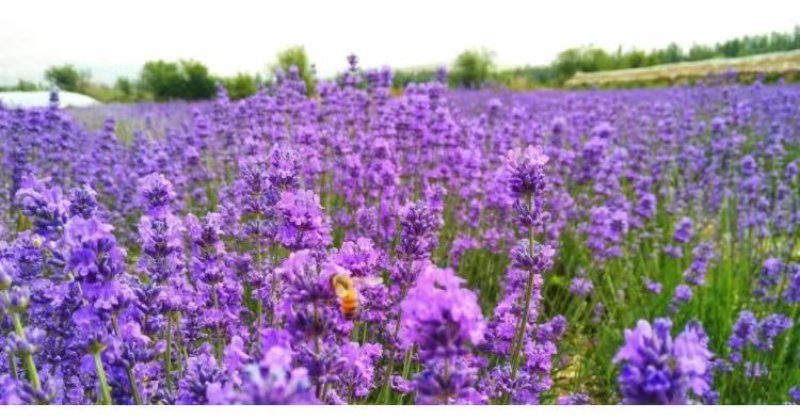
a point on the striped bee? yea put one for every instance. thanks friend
(345, 288)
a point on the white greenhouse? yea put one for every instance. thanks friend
(42, 98)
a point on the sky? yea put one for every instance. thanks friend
(114, 38)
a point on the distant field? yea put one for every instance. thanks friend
(783, 63)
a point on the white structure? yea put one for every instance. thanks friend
(42, 99)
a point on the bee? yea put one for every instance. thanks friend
(345, 288)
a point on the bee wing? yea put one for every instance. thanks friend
(369, 281)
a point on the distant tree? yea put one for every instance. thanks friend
(634, 59)
(197, 82)
(296, 56)
(187, 79)
(125, 86)
(596, 59)
(572, 60)
(672, 54)
(402, 77)
(26, 86)
(701, 52)
(567, 63)
(730, 48)
(472, 68)
(162, 79)
(240, 86)
(67, 77)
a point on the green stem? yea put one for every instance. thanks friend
(519, 336)
(784, 352)
(407, 361)
(523, 324)
(388, 377)
(390, 369)
(259, 305)
(179, 342)
(27, 357)
(12, 364)
(217, 333)
(137, 398)
(364, 330)
(447, 378)
(259, 313)
(30, 369)
(168, 353)
(274, 292)
(105, 390)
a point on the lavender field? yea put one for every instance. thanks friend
(429, 246)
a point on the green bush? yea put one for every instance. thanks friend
(68, 77)
(296, 56)
(472, 69)
(241, 85)
(186, 79)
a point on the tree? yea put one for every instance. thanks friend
(240, 86)
(26, 86)
(672, 54)
(404, 77)
(187, 79)
(567, 64)
(67, 77)
(125, 86)
(472, 68)
(162, 79)
(701, 52)
(197, 82)
(596, 59)
(296, 56)
(634, 59)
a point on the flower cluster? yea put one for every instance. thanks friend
(331, 241)
(443, 320)
(658, 370)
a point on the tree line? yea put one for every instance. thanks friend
(162, 80)
(476, 68)
(191, 80)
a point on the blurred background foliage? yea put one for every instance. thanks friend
(474, 68)
(296, 56)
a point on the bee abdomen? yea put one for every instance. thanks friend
(350, 307)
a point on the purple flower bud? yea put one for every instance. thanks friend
(581, 287)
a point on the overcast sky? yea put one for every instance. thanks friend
(113, 38)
